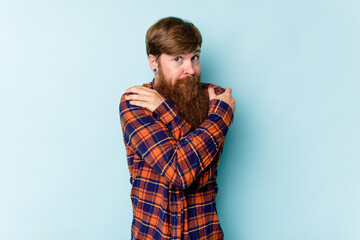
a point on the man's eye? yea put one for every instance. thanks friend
(177, 59)
(196, 57)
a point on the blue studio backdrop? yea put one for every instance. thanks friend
(290, 168)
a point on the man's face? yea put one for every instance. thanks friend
(178, 80)
(174, 67)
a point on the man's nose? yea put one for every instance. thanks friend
(189, 68)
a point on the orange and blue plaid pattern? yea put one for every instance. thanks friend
(173, 170)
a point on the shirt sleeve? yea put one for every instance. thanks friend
(169, 115)
(179, 161)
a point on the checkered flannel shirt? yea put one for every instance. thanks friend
(173, 170)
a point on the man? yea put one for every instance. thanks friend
(174, 130)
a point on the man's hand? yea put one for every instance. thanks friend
(225, 96)
(144, 97)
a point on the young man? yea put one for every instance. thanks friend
(174, 130)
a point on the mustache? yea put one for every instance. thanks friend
(189, 79)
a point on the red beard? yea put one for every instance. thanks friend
(188, 95)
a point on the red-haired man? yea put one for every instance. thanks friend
(174, 130)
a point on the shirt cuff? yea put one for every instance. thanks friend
(166, 112)
(223, 110)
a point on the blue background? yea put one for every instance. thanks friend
(290, 169)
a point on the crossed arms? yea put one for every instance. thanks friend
(180, 156)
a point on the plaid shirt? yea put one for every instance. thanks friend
(173, 170)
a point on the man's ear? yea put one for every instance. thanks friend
(153, 61)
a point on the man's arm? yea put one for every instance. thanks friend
(182, 161)
(169, 115)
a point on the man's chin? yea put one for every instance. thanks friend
(182, 86)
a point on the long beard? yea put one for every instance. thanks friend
(188, 95)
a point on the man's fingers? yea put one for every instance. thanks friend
(144, 104)
(137, 97)
(228, 90)
(139, 90)
(138, 103)
(211, 93)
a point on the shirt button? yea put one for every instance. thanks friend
(176, 217)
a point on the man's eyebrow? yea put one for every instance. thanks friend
(197, 51)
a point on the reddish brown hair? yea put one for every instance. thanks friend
(172, 35)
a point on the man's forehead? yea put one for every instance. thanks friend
(197, 50)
